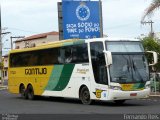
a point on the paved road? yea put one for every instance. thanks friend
(11, 103)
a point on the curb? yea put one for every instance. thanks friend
(3, 87)
(154, 96)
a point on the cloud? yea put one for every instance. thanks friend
(120, 17)
(30, 15)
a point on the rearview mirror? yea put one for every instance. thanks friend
(155, 58)
(108, 56)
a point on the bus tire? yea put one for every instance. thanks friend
(119, 102)
(22, 91)
(30, 92)
(85, 96)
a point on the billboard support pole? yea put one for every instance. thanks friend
(101, 18)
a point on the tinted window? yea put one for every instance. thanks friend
(124, 46)
(34, 58)
(74, 54)
(80, 53)
(98, 63)
(63, 55)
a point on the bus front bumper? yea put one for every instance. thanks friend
(124, 95)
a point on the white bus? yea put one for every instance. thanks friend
(95, 69)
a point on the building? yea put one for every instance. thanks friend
(36, 40)
(5, 67)
(27, 42)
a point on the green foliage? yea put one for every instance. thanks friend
(1, 64)
(152, 44)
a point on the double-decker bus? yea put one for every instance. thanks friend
(92, 69)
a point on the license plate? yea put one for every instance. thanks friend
(133, 94)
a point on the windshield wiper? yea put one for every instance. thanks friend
(136, 71)
(128, 64)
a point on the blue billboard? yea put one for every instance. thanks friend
(81, 19)
(75, 0)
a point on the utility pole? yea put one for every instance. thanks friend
(0, 37)
(17, 37)
(151, 25)
(1, 67)
(1, 46)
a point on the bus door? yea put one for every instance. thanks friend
(99, 68)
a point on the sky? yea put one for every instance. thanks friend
(121, 18)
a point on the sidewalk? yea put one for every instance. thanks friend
(153, 94)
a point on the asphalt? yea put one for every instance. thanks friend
(13, 103)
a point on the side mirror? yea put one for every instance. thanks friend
(108, 56)
(155, 58)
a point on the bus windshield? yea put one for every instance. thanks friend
(129, 69)
(124, 46)
(129, 62)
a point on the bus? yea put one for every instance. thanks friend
(86, 69)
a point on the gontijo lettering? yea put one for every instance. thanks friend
(36, 71)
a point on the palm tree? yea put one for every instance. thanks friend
(153, 6)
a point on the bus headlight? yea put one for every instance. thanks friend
(115, 87)
(147, 86)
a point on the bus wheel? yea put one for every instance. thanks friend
(85, 96)
(22, 92)
(30, 92)
(119, 102)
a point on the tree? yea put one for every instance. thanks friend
(153, 6)
(152, 44)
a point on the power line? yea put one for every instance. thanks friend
(22, 30)
(121, 25)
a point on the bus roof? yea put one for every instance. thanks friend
(70, 42)
(51, 45)
(112, 39)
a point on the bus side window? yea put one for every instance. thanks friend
(53, 56)
(80, 54)
(14, 60)
(22, 59)
(65, 55)
(74, 55)
(98, 63)
(50, 56)
(32, 60)
(61, 55)
(68, 55)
